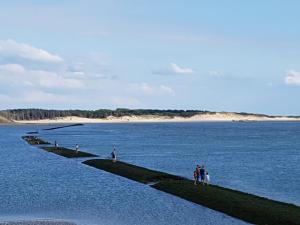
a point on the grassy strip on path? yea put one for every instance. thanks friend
(139, 174)
(244, 206)
(66, 152)
(34, 140)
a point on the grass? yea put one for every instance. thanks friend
(66, 152)
(244, 206)
(247, 207)
(130, 171)
(34, 140)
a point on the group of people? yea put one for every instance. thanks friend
(201, 172)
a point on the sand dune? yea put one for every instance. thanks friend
(4, 120)
(151, 118)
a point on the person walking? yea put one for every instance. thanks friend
(77, 148)
(202, 174)
(114, 155)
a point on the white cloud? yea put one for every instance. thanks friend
(292, 78)
(181, 70)
(12, 68)
(151, 90)
(38, 78)
(11, 49)
(146, 88)
(166, 89)
(173, 69)
(34, 96)
(54, 80)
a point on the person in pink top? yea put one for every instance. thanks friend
(196, 175)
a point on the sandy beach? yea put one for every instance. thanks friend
(229, 117)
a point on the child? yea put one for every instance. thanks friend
(196, 175)
(207, 178)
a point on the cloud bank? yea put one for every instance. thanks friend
(13, 49)
(18, 75)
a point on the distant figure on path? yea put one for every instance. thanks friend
(77, 148)
(196, 175)
(207, 178)
(55, 144)
(202, 174)
(114, 155)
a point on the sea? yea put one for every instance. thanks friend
(262, 158)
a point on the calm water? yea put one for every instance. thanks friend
(260, 158)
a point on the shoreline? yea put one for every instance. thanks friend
(218, 117)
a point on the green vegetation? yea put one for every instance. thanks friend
(68, 153)
(34, 140)
(130, 171)
(247, 207)
(39, 114)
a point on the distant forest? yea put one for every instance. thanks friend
(39, 114)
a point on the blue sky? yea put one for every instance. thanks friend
(213, 55)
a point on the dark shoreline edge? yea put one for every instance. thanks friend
(244, 206)
(64, 126)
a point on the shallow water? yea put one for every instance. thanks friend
(260, 158)
(36, 222)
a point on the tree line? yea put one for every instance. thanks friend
(39, 114)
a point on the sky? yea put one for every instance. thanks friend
(218, 55)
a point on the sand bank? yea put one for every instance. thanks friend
(151, 118)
